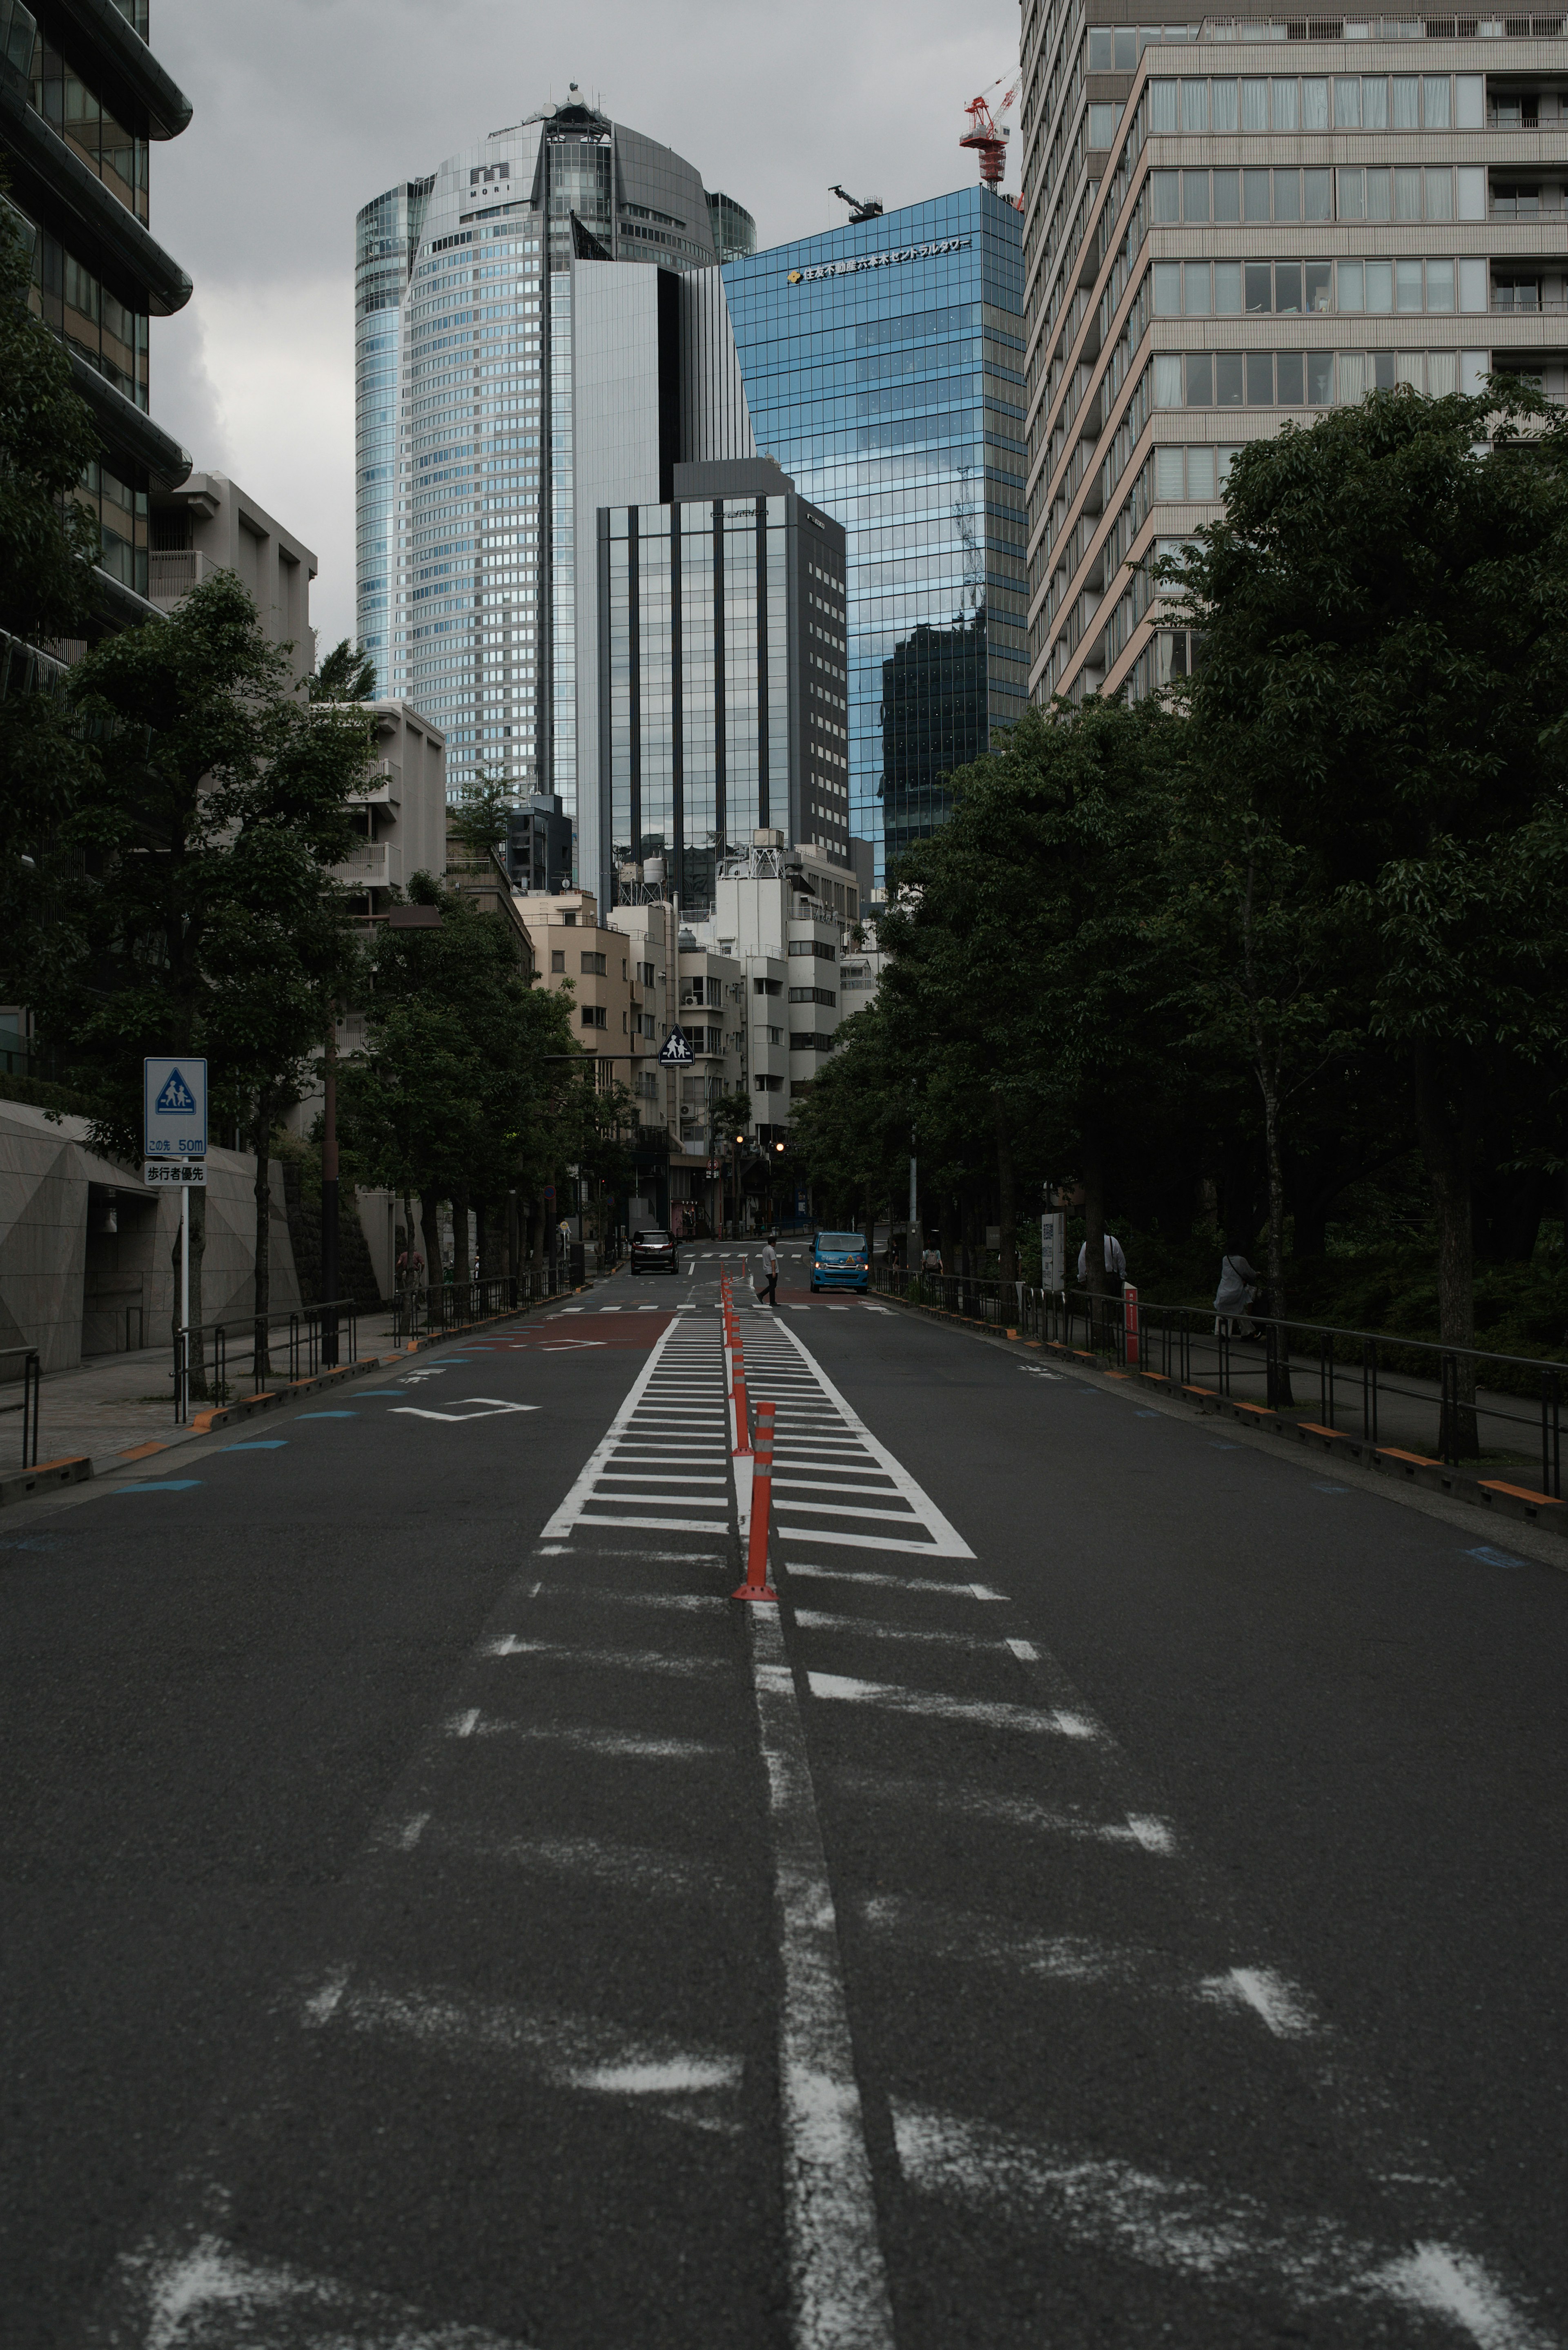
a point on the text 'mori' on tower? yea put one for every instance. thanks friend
(515, 377)
(1241, 221)
(883, 364)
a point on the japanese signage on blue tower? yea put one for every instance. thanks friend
(175, 1107)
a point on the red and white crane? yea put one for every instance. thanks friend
(986, 133)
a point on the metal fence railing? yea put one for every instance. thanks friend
(310, 1339)
(1358, 1374)
(455, 1305)
(32, 1376)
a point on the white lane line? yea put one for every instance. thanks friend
(838, 2284)
(566, 1517)
(831, 1485)
(866, 1577)
(190, 2288)
(964, 1940)
(821, 1619)
(619, 1660)
(1151, 1836)
(657, 1525)
(617, 1744)
(567, 2051)
(946, 1541)
(934, 1706)
(650, 1477)
(1220, 2238)
(636, 1867)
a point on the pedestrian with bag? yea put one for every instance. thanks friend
(767, 1288)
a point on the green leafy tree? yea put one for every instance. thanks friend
(481, 818)
(347, 673)
(1386, 648)
(204, 917)
(1030, 966)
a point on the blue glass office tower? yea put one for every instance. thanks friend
(884, 371)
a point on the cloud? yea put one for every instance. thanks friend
(307, 108)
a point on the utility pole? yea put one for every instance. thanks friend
(329, 1204)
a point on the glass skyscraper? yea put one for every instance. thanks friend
(884, 370)
(504, 375)
(722, 674)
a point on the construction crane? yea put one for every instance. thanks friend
(861, 208)
(986, 135)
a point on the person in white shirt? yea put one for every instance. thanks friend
(1238, 1287)
(768, 1294)
(1115, 1262)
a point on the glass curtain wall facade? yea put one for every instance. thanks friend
(387, 235)
(465, 415)
(1235, 223)
(711, 728)
(884, 370)
(81, 104)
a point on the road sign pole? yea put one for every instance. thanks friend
(330, 1203)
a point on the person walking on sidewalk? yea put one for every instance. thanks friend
(1238, 1287)
(767, 1290)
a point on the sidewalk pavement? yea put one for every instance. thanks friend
(113, 1405)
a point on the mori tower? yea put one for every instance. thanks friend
(508, 387)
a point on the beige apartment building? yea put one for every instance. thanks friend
(1233, 224)
(208, 524)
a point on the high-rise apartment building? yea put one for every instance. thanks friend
(722, 674)
(513, 378)
(883, 364)
(82, 100)
(1235, 223)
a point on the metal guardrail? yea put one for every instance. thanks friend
(1358, 1369)
(312, 1344)
(32, 1378)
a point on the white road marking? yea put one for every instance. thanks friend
(498, 1408)
(1182, 2226)
(1283, 2009)
(571, 1510)
(838, 2284)
(634, 1865)
(570, 2052)
(820, 1619)
(811, 1573)
(619, 1744)
(193, 2291)
(621, 1660)
(937, 1706)
(1026, 1651)
(1009, 1811)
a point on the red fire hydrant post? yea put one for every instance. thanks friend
(756, 1585)
(1130, 1323)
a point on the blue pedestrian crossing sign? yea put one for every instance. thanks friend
(175, 1107)
(675, 1053)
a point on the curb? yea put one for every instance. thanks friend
(78, 1468)
(1494, 1494)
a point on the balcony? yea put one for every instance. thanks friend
(378, 865)
(173, 571)
(383, 786)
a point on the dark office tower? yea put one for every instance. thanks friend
(883, 364)
(81, 99)
(721, 675)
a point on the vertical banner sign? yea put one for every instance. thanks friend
(1053, 1252)
(1129, 1322)
(174, 1118)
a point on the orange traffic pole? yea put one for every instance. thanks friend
(756, 1585)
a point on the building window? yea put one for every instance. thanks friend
(814, 995)
(767, 986)
(767, 1085)
(593, 966)
(595, 1016)
(557, 959)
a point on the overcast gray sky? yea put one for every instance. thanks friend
(307, 108)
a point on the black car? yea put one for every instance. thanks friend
(653, 1252)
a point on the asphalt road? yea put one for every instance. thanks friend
(1117, 1899)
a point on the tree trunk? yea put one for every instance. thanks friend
(537, 1236)
(261, 1143)
(1093, 1179)
(948, 1232)
(1007, 1210)
(1266, 1074)
(1446, 1146)
(869, 1225)
(429, 1232)
(462, 1246)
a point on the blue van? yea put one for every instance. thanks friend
(838, 1261)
